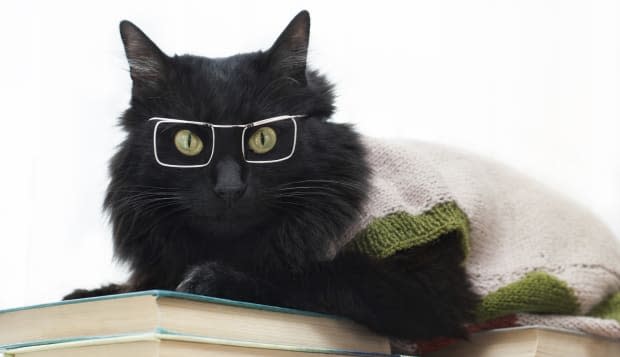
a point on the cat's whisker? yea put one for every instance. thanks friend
(137, 197)
(301, 207)
(307, 188)
(145, 211)
(324, 181)
(144, 203)
(308, 195)
(155, 187)
(155, 223)
(333, 193)
(144, 192)
(145, 198)
(301, 192)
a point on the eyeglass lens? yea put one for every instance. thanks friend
(183, 144)
(269, 142)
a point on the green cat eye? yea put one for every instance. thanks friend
(188, 143)
(263, 140)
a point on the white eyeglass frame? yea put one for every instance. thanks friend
(245, 127)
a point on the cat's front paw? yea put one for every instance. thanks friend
(104, 290)
(77, 294)
(214, 279)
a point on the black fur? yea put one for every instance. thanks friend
(270, 245)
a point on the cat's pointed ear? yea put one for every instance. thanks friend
(290, 51)
(147, 63)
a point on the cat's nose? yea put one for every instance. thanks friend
(229, 193)
(229, 184)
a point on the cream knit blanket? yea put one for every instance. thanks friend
(530, 250)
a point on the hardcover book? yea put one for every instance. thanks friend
(183, 319)
(532, 341)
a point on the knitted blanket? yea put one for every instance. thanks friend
(529, 250)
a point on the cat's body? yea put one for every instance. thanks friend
(261, 232)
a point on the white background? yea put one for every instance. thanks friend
(532, 83)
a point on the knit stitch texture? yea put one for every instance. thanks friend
(530, 250)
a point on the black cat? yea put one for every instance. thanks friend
(231, 227)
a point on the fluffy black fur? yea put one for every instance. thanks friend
(268, 241)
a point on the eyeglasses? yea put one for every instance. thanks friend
(187, 144)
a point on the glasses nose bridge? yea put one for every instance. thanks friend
(227, 141)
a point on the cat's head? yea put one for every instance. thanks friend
(225, 196)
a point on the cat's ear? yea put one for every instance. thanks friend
(290, 51)
(148, 65)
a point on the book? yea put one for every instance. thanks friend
(160, 345)
(169, 313)
(531, 341)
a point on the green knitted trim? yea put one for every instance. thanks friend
(400, 230)
(537, 292)
(608, 308)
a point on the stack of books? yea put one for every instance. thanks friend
(166, 323)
